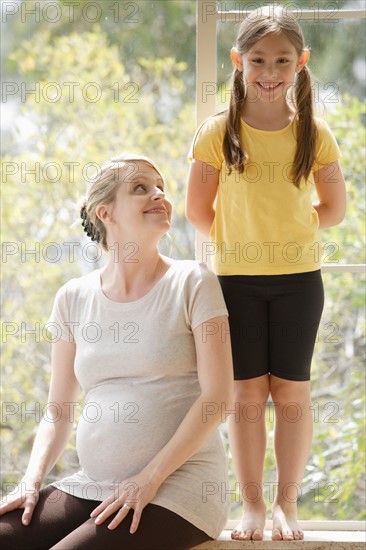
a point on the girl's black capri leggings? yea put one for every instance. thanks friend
(273, 320)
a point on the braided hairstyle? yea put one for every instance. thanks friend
(102, 190)
(256, 26)
(89, 228)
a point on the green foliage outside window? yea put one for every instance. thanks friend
(147, 105)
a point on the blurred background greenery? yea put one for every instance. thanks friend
(111, 76)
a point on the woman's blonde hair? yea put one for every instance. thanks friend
(257, 25)
(103, 189)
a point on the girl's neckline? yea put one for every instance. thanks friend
(268, 131)
(133, 303)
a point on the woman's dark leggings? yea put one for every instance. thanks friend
(61, 522)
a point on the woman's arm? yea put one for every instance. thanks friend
(215, 372)
(52, 434)
(331, 191)
(203, 180)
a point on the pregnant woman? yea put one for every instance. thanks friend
(146, 339)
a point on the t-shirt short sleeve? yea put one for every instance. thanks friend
(205, 298)
(207, 142)
(327, 149)
(59, 323)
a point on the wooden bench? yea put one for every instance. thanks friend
(352, 538)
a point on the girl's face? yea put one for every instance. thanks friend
(269, 67)
(140, 208)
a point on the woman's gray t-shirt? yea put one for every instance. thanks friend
(136, 362)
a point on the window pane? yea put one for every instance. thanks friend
(147, 85)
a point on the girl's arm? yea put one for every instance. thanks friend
(203, 180)
(52, 434)
(331, 191)
(215, 372)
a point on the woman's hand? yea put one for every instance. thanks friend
(25, 495)
(52, 434)
(135, 492)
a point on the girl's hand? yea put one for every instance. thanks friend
(135, 492)
(25, 495)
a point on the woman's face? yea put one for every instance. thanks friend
(140, 208)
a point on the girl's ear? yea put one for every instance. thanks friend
(303, 59)
(103, 214)
(236, 59)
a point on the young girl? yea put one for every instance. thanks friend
(250, 184)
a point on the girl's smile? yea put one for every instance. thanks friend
(269, 67)
(269, 85)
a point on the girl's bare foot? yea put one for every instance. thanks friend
(252, 524)
(285, 526)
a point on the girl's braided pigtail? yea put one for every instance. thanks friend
(307, 132)
(234, 153)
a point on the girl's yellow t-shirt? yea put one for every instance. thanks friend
(264, 224)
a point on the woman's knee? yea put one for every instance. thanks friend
(13, 534)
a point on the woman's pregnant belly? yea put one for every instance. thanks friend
(123, 425)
